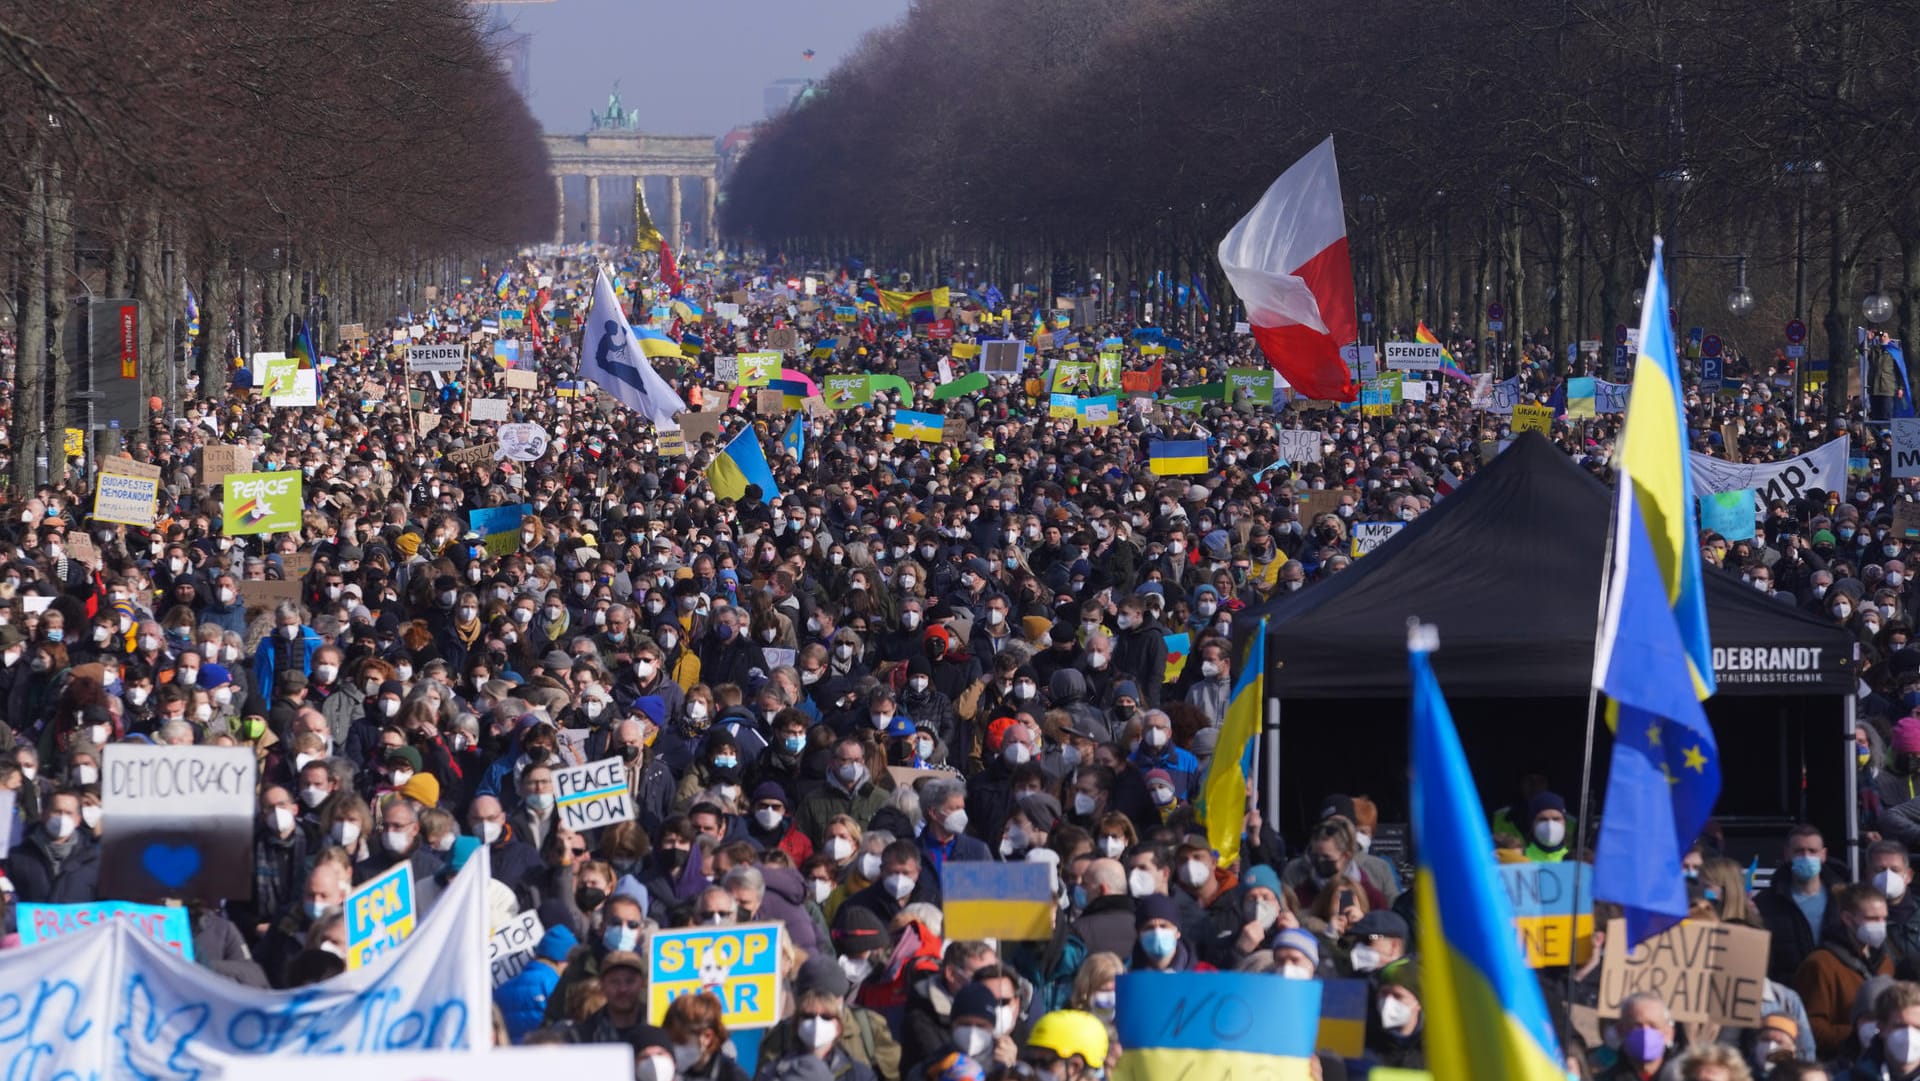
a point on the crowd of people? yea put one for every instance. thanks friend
(910, 653)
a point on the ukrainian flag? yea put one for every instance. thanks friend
(1223, 793)
(1219, 1024)
(740, 463)
(793, 393)
(1665, 772)
(655, 343)
(1485, 1017)
(688, 311)
(1653, 449)
(926, 427)
(825, 349)
(691, 343)
(1177, 457)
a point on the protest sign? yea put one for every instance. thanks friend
(525, 442)
(511, 947)
(274, 372)
(260, 503)
(217, 460)
(353, 332)
(267, 592)
(73, 443)
(846, 391)
(1729, 514)
(672, 443)
(296, 563)
(1313, 504)
(489, 409)
(380, 914)
(1012, 901)
(1713, 972)
(695, 425)
(474, 455)
(1413, 356)
(740, 965)
(1225, 1025)
(304, 394)
(770, 400)
(1298, 446)
(1824, 467)
(450, 357)
(520, 379)
(1906, 521)
(182, 821)
(167, 927)
(111, 996)
(499, 527)
(1002, 359)
(726, 371)
(1555, 928)
(593, 795)
(1906, 448)
(1532, 418)
(127, 500)
(80, 547)
(758, 369)
(955, 430)
(785, 340)
(1255, 384)
(1343, 1018)
(1370, 535)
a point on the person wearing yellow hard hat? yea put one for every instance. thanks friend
(1066, 1045)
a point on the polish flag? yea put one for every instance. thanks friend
(1288, 261)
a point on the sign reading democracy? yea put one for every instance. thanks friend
(260, 503)
(166, 927)
(380, 914)
(182, 821)
(739, 965)
(593, 795)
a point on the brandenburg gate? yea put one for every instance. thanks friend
(612, 148)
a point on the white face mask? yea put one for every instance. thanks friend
(973, 1040)
(839, 848)
(818, 1033)
(1394, 1013)
(1365, 958)
(1890, 883)
(869, 867)
(1142, 882)
(1549, 833)
(1294, 970)
(1903, 1046)
(1111, 846)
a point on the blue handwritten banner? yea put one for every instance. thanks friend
(168, 927)
(1729, 514)
(1249, 1013)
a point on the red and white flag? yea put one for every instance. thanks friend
(1288, 261)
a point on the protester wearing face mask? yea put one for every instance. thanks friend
(1794, 904)
(1644, 1035)
(59, 863)
(967, 1029)
(289, 647)
(819, 1030)
(944, 838)
(1160, 946)
(1105, 909)
(1157, 751)
(321, 893)
(902, 881)
(849, 790)
(1852, 950)
(1547, 829)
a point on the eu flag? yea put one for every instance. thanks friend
(1654, 660)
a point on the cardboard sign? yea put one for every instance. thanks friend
(770, 401)
(987, 899)
(1730, 441)
(260, 503)
(80, 547)
(593, 795)
(1313, 504)
(425, 422)
(127, 500)
(473, 455)
(785, 340)
(511, 947)
(1906, 521)
(1713, 972)
(1533, 418)
(520, 379)
(127, 467)
(217, 460)
(1370, 535)
(1555, 925)
(726, 371)
(695, 425)
(1298, 445)
(296, 564)
(182, 821)
(167, 927)
(490, 409)
(672, 443)
(955, 430)
(267, 592)
(380, 914)
(451, 357)
(353, 332)
(740, 965)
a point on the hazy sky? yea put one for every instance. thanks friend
(688, 67)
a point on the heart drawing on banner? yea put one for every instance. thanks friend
(173, 865)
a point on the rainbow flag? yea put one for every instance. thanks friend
(921, 307)
(1485, 1016)
(1448, 366)
(500, 287)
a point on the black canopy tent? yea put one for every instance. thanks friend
(1508, 569)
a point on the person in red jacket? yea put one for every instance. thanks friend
(1851, 951)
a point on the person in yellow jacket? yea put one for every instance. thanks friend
(1547, 833)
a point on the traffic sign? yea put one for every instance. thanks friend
(1711, 372)
(1796, 331)
(1620, 333)
(1796, 351)
(1495, 312)
(1496, 325)
(1710, 345)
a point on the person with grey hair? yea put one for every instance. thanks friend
(175, 734)
(290, 646)
(945, 837)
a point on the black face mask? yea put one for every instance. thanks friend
(1326, 866)
(628, 752)
(537, 754)
(588, 898)
(671, 859)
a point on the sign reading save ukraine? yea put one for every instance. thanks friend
(260, 503)
(739, 965)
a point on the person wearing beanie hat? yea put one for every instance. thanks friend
(1393, 1032)
(1547, 828)
(930, 707)
(1262, 913)
(1296, 953)
(1160, 946)
(523, 999)
(422, 788)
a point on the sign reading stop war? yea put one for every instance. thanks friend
(593, 795)
(1713, 972)
(181, 822)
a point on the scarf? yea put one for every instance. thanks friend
(467, 632)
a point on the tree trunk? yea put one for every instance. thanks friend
(153, 311)
(1840, 342)
(62, 410)
(29, 390)
(1562, 284)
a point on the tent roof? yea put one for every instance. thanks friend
(1508, 568)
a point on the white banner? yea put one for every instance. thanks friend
(524, 442)
(450, 357)
(575, 1062)
(1498, 398)
(1824, 467)
(110, 1004)
(1906, 448)
(1297, 445)
(1414, 356)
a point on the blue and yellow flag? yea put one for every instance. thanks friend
(1177, 457)
(1223, 794)
(1653, 450)
(926, 427)
(794, 439)
(500, 287)
(740, 463)
(1217, 1024)
(1485, 1016)
(655, 343)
